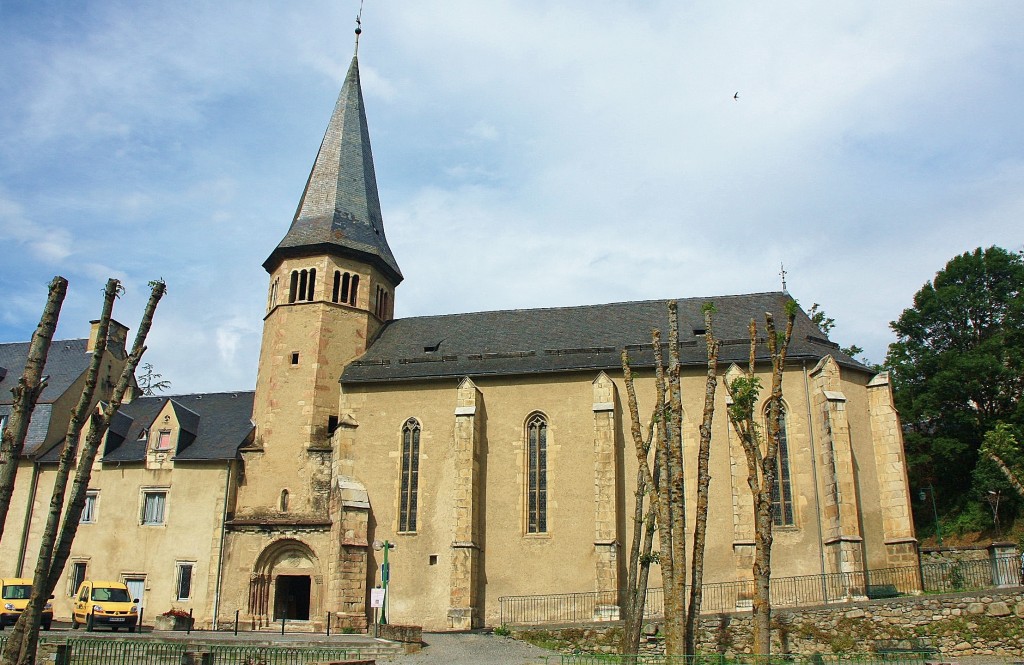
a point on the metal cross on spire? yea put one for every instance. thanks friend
(359, 25)
(782, 272)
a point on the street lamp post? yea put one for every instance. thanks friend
(993, 498)
(935, 512)
(385, 577)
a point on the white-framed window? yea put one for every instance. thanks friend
(154, 507)
(89, 512)
(76, 575)
(183, 587)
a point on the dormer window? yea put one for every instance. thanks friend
(143, 434)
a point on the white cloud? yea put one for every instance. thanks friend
(557, 154)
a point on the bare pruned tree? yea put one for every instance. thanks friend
(761, 452)
(53, 550)
(660, 503)
(26, 394)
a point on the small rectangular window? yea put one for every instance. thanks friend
(163, 441)
(89, 511)
(153, 506)
(77, 576)
(184, 586)
(295, 358)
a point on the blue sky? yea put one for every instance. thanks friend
(528, 154)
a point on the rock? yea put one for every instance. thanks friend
(856, 613)
(975, 608)
(998, 609)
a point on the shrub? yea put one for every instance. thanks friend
(175, 612)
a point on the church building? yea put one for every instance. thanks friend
(487, 454)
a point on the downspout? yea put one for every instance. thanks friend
(27, 526)
(220, 548)
(814, 476)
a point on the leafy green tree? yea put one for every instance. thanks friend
(958, 369)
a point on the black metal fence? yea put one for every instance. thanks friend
(87, 651)
(800, 591)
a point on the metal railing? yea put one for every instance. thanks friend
(799, 591)
(132, 652)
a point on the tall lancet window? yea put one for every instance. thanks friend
(410, 475)
(782, 493)
(537, 474)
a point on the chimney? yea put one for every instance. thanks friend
(117, 336)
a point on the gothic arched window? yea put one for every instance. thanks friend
(782, 493)
(410, 475)
(537, 474)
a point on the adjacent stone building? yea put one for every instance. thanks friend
(491, 450)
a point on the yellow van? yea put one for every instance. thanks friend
(102, 603)
(15, 592)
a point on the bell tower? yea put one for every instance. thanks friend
(332, 285)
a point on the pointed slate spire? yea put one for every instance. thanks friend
(339, 212)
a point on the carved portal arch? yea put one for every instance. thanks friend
(286, 583)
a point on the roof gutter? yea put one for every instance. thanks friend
(27, 525)
(220, 547)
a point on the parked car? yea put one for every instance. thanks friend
(102, 603)
(15, 592)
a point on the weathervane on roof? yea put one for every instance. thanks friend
(782, 272)
(359, 25)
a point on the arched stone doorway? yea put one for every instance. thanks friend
(286, 583)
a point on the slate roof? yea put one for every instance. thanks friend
(66, 361)
(339, 212)
(532, 341)
(213, 427)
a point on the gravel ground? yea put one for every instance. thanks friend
(474, 649)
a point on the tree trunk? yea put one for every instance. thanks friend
(643, 529)
(21, 647)
(677, 488)
(1014, 481)
(666, 514)
(761, 469)
(703, 482)
(777, 349)
(26, 394)
(83, 473)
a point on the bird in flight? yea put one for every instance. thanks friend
(736, 96)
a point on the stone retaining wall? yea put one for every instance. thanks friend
(963, 624)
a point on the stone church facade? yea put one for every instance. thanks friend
(491, 450)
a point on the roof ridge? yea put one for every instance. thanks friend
(588, 306)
